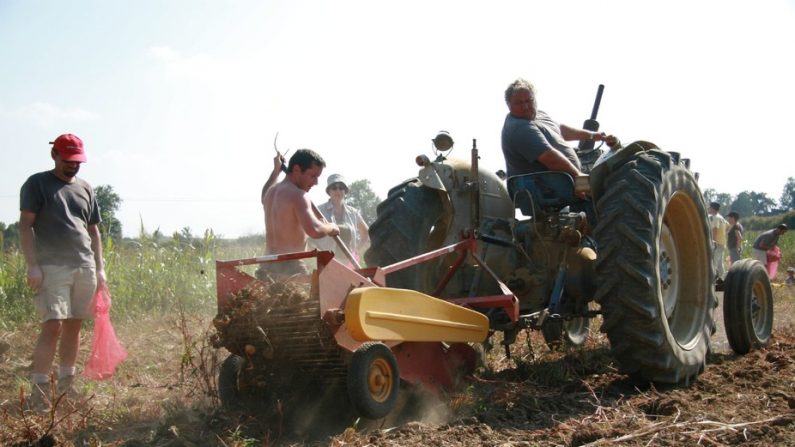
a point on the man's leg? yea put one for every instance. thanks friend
(84, 287)
(719, 256)
(761, 256)
(67, 353)
(43, 354)
(70, 342)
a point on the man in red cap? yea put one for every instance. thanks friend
(59, 233)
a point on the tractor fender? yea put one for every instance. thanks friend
(452, 177)
(610, 161)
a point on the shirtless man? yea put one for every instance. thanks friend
(289, 217)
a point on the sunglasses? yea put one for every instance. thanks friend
(338, 186)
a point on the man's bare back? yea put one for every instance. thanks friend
(284, 232)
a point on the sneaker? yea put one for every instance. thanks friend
(38, 397)
(66, 386)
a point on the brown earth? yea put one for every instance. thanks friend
(163, 395)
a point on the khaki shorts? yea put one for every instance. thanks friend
(65, 293)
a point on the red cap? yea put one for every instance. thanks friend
(69, 147)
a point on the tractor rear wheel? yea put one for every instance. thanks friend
(410, 222)
(654, 275)
(747, 306)
(373, 380)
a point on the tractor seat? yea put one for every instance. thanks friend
(541, 192)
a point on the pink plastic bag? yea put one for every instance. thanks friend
(106, 351)
(773, 258)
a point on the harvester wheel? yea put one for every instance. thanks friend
(229, 380)
(410, 221)
(654, 275)
(558, 333)
(747, 306)
(373, 380)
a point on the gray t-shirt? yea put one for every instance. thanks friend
(524, 141)
(769, 238)
(63, 213)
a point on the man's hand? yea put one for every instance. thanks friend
(35, 277)
(101, 279)
(334, 230)
(278, 162)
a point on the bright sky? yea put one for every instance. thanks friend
(178, 102)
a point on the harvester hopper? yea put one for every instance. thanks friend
(346, 326)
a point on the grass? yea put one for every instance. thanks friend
(145, 276)
(164, 297)
(15, 296)
(165, 390)
(163, 292)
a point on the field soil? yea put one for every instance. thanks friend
(164, 394)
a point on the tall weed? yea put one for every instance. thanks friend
(147, 275)
(16, 302)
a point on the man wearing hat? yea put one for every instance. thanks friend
(59, 233)
(353, 228)
(720, 232)
(766, 242)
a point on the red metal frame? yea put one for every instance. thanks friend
(468, 246)
(429, 363)
(229, 279)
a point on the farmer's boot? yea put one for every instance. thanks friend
(38, 397)
(66, 386)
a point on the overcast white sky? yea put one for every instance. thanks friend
(178, 102)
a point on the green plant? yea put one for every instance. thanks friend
(150, 274)
(16, 304)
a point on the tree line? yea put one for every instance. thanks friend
(360, 196)
(752, 203)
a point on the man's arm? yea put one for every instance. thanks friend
(96, 245)
(573, 133)
(278, 160)
(363, 230)
(530, 143)
(313, 226)
(739, 238)
(28, 242)
(555, 161)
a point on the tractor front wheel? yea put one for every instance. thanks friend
(558, 333)
(747, 306)
(373, 380)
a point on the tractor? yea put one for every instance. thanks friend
(459, 254)
(637, 252)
